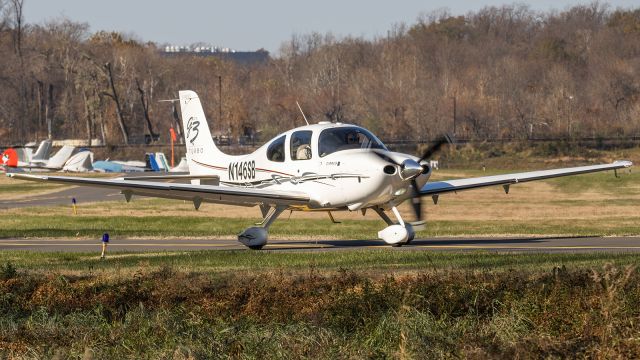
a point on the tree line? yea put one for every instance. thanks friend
(498, 73)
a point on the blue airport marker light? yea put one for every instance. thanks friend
(73, 205)
(105, 241)
(73, 201)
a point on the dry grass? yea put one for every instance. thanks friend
(556, 312)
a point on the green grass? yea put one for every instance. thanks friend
(366, 261)
(69, 226)
(626, 184)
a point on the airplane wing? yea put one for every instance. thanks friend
(447, 186)
(195, 193)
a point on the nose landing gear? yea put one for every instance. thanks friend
(395, 234)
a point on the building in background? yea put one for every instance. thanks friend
(260, 56)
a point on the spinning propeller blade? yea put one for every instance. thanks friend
(435, 147)
(416, 201)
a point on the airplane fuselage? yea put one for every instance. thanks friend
(340, 175)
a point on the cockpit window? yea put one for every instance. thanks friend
(301, 145)
(344, 138)
(275, 151)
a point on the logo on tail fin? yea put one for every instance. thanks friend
(9, 158)
(193, 124)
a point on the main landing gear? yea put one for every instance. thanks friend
(256, 237)
(395, 234)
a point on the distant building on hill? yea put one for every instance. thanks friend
(241, 57)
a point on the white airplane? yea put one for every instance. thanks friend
(321, 167)
(38, 163)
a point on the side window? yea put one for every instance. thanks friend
(301, 145)
(275, 151)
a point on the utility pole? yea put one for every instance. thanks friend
(454, 114)
(220, 99)
(569, 118)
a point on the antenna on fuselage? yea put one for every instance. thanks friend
(302, 112)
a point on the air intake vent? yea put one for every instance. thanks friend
(389, 170)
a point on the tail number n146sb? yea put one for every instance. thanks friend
(243, 170)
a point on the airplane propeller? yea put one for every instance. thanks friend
(410, 170)
(434, 148)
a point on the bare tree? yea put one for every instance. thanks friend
(145, 108)
(514, 72)
(17, 20)
(116, 99)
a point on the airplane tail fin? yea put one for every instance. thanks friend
(79, 162)
(9, 158)
(42, 154)
(58, 160)
(202, 154)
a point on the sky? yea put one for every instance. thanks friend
(255, 24)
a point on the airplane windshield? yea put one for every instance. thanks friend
(345, 138)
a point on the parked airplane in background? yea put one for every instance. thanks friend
(42, 153)
(320, 167)
(24, 155)
(39, 161)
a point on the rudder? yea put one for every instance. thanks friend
(202, 153)
(42, 154)
(58, 160)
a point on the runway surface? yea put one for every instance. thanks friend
(524, 244)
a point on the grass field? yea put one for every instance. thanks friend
(365, 261)
(360, 304)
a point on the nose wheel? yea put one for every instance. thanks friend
(395, 234)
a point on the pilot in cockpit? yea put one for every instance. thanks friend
(352, 138)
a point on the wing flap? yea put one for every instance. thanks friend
(206, 193)
(447, 186)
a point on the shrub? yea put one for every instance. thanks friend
(8, 271)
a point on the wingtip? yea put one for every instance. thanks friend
(625, 163)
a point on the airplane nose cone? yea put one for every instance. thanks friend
(410, 169)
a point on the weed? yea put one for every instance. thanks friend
(559, 311)
(8, 271)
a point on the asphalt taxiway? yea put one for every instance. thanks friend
(82, 195)
(506, 244)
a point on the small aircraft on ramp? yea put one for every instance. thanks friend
(320, 167)
(10, 161)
